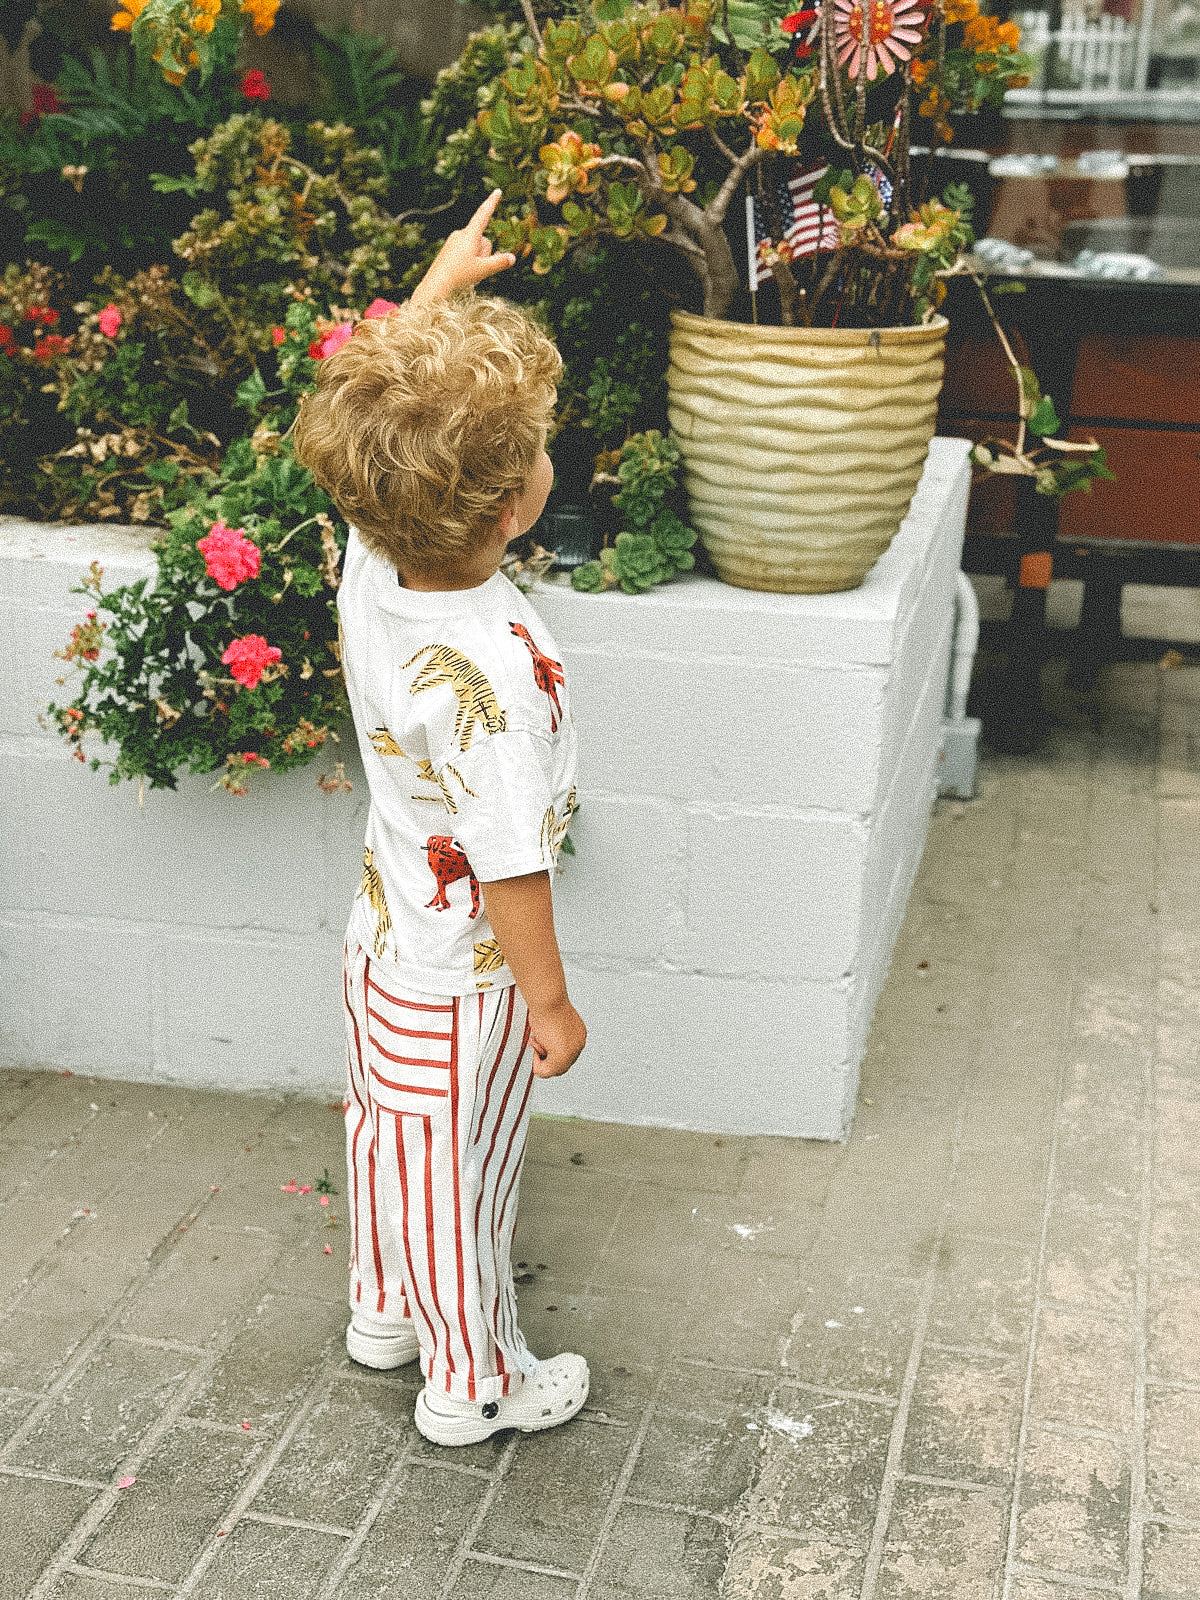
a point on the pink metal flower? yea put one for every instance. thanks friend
(110, 320)
(380, 308)
(248, 658)
(229, 557)
(879, 32)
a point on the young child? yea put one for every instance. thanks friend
(428, 429)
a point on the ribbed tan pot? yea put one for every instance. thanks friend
(802, 447)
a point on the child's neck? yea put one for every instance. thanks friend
(485, 565)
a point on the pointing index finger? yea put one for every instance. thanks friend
(484, 214)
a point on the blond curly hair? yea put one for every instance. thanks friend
(425, 421)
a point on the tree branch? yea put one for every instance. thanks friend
(714, 211)
(531, 22)
(721, 145)
(621, 161)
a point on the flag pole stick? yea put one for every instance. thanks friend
(752, 254)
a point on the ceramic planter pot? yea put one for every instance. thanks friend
(802, 447)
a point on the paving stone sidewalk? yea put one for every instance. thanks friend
(957, 1357)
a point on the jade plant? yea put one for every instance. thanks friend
(646, 124)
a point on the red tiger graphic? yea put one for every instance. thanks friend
(547, 674)
(448, 863)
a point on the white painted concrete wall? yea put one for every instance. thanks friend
(756, 776)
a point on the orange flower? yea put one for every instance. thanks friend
(920, 71)
(1009, 34)
(961, 10)
(261, 13)
(980, 34)
(130, 11)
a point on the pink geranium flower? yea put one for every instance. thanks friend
(380, 308)
(229, 557)
(331, 341)
(248, 658)
(110, 320)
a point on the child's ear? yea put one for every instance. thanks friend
(506, 522)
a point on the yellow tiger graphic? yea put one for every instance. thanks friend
(372, 887)
(476, 698)
(385, 742)
(488, 957)
(427, 775)
(386, 745)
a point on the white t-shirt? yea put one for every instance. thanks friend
(464, 722)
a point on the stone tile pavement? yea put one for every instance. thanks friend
(957, 1358)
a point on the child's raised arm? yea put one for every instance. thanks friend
(522, 918)
(465, 259)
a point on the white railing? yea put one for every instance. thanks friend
(1107, 55)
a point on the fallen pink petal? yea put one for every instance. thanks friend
(328, 1249)
(126, 1483)
(324, 1199)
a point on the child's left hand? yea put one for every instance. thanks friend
(465, 259)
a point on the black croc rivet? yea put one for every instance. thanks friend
(491, 1410)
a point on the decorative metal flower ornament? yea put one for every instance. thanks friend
(880, 30)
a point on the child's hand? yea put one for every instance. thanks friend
(464, 260)
(557, 1038)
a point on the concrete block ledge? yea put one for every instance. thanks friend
(756, 778)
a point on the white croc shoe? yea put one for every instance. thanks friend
(550, 1396)
(381, 1345)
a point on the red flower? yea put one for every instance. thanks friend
(247, 658)
(255, 86)
(50, 344)
(331, 341)
(6, 336)
(797, 20)
(229, 556)
(110, 320)
(278, 335)
(45, 104)
(380, 308)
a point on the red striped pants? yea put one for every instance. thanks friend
(436, 1120)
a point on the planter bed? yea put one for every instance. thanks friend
(756, 780)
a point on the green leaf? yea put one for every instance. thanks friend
(252, 392)
(589, 578)
(1044, 420)
(162, 184)
(199, 290)
(57, 236)
(178, 417)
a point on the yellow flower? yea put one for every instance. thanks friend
(203, 23)
(961, 10)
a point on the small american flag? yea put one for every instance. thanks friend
(807, 227)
